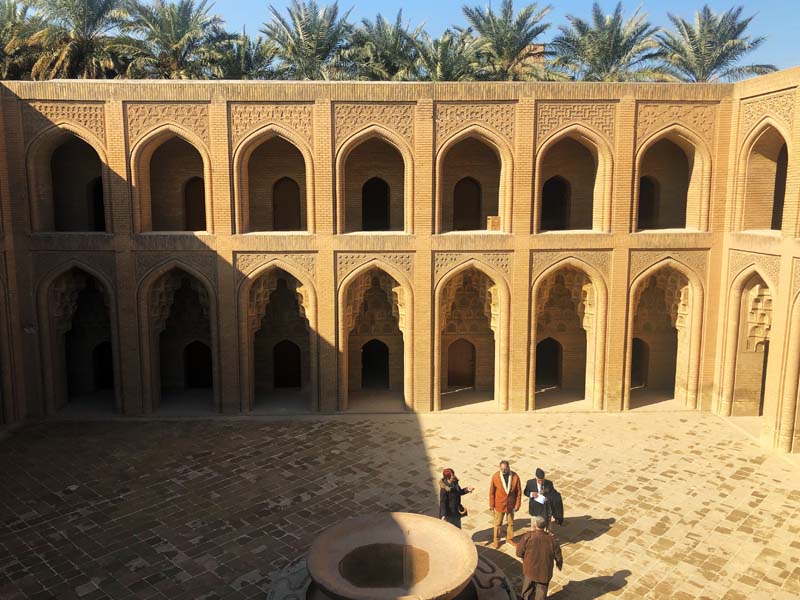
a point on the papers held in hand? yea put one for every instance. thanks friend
(540, 499)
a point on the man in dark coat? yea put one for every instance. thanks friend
(539, 551)
(543, 499)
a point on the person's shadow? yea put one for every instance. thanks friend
(581, 529)
(594, 587)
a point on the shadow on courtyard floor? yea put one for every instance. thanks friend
(583, 528)
(593, 587)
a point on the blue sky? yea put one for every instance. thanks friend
(779, 20)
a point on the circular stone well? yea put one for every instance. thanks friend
(389, 556)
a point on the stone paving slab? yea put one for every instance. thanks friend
(659, 505)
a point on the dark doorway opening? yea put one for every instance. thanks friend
(103, 366)
(461, 364)
(375, 205)
(195, 204)
(197, 365)
(375, 365)
(467, 205)
(286, 362)
(780, 188)
(548, 363)
(555, 204)
(648, 204)
(97, 214)
(286, 205)
(640, 363)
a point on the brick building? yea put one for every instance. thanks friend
(261, 246)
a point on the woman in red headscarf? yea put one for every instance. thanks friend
(450, 493)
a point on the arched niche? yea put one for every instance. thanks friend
(765, 164)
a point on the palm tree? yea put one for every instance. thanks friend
(454, 56)
(386, 51)
(509, 42)
(247, 58)
(311, 42)
(710, 48)
(75, 40)
(609, 48)
(169, 40)
(17, 57)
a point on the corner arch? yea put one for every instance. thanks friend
(503, 150)
(501, 370)
(730, 340)
(601, 319)
(140, 155)
(47, 334)
(246, 353)
(598, 145)
(241, 157)
(695, 326)
(151, 384)
(37, 162)
(398, 143)
(698, 154)
(406, 309)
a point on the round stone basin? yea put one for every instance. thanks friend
(392, 556)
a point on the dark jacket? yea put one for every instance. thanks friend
(539, 550)
(534, 508)
(450, 498)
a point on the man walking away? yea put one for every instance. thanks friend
(539, 550)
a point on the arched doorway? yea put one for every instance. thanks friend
(197, 365)
(375, 214)
(648, 204)
(375, 365)
(548, 364)
(461, 364)
(469, 187)
(671, 171)
(75, 168)
(467, 205)
(765, 181)
(286, 205)
(555, 204)
(640, 363)
(97, 215)
(103, 366)
(752, 352)
(287, 361)
(195, 204)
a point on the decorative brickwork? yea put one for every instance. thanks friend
(653, 116)
(350, 118)
(40, 115)
(247, 117)
(780, 106)
(551, 116)
(146, 116)
(451, 118)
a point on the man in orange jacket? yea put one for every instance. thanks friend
(505, 496)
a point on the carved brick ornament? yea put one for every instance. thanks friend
(350, 118)
(780, 106)
(40, 115)
(652, 116)
(245, 117)
(551, 116)
(451, 118)
(146, 116)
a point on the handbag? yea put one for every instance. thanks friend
(462, 511)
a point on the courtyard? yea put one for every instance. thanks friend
(658, 504)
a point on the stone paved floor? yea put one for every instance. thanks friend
(659, 505)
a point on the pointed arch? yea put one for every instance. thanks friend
(405, 302)
(241, 183)
(597, 352)
(246, 353)
(140, 158)
(501, 148)
(50, 354)
(397, 142)
(151, 381)
(698, 156)
(601, 151)
(694, 327)
(501, 370)
(730, 339)
(40, 185)
(741, 219)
